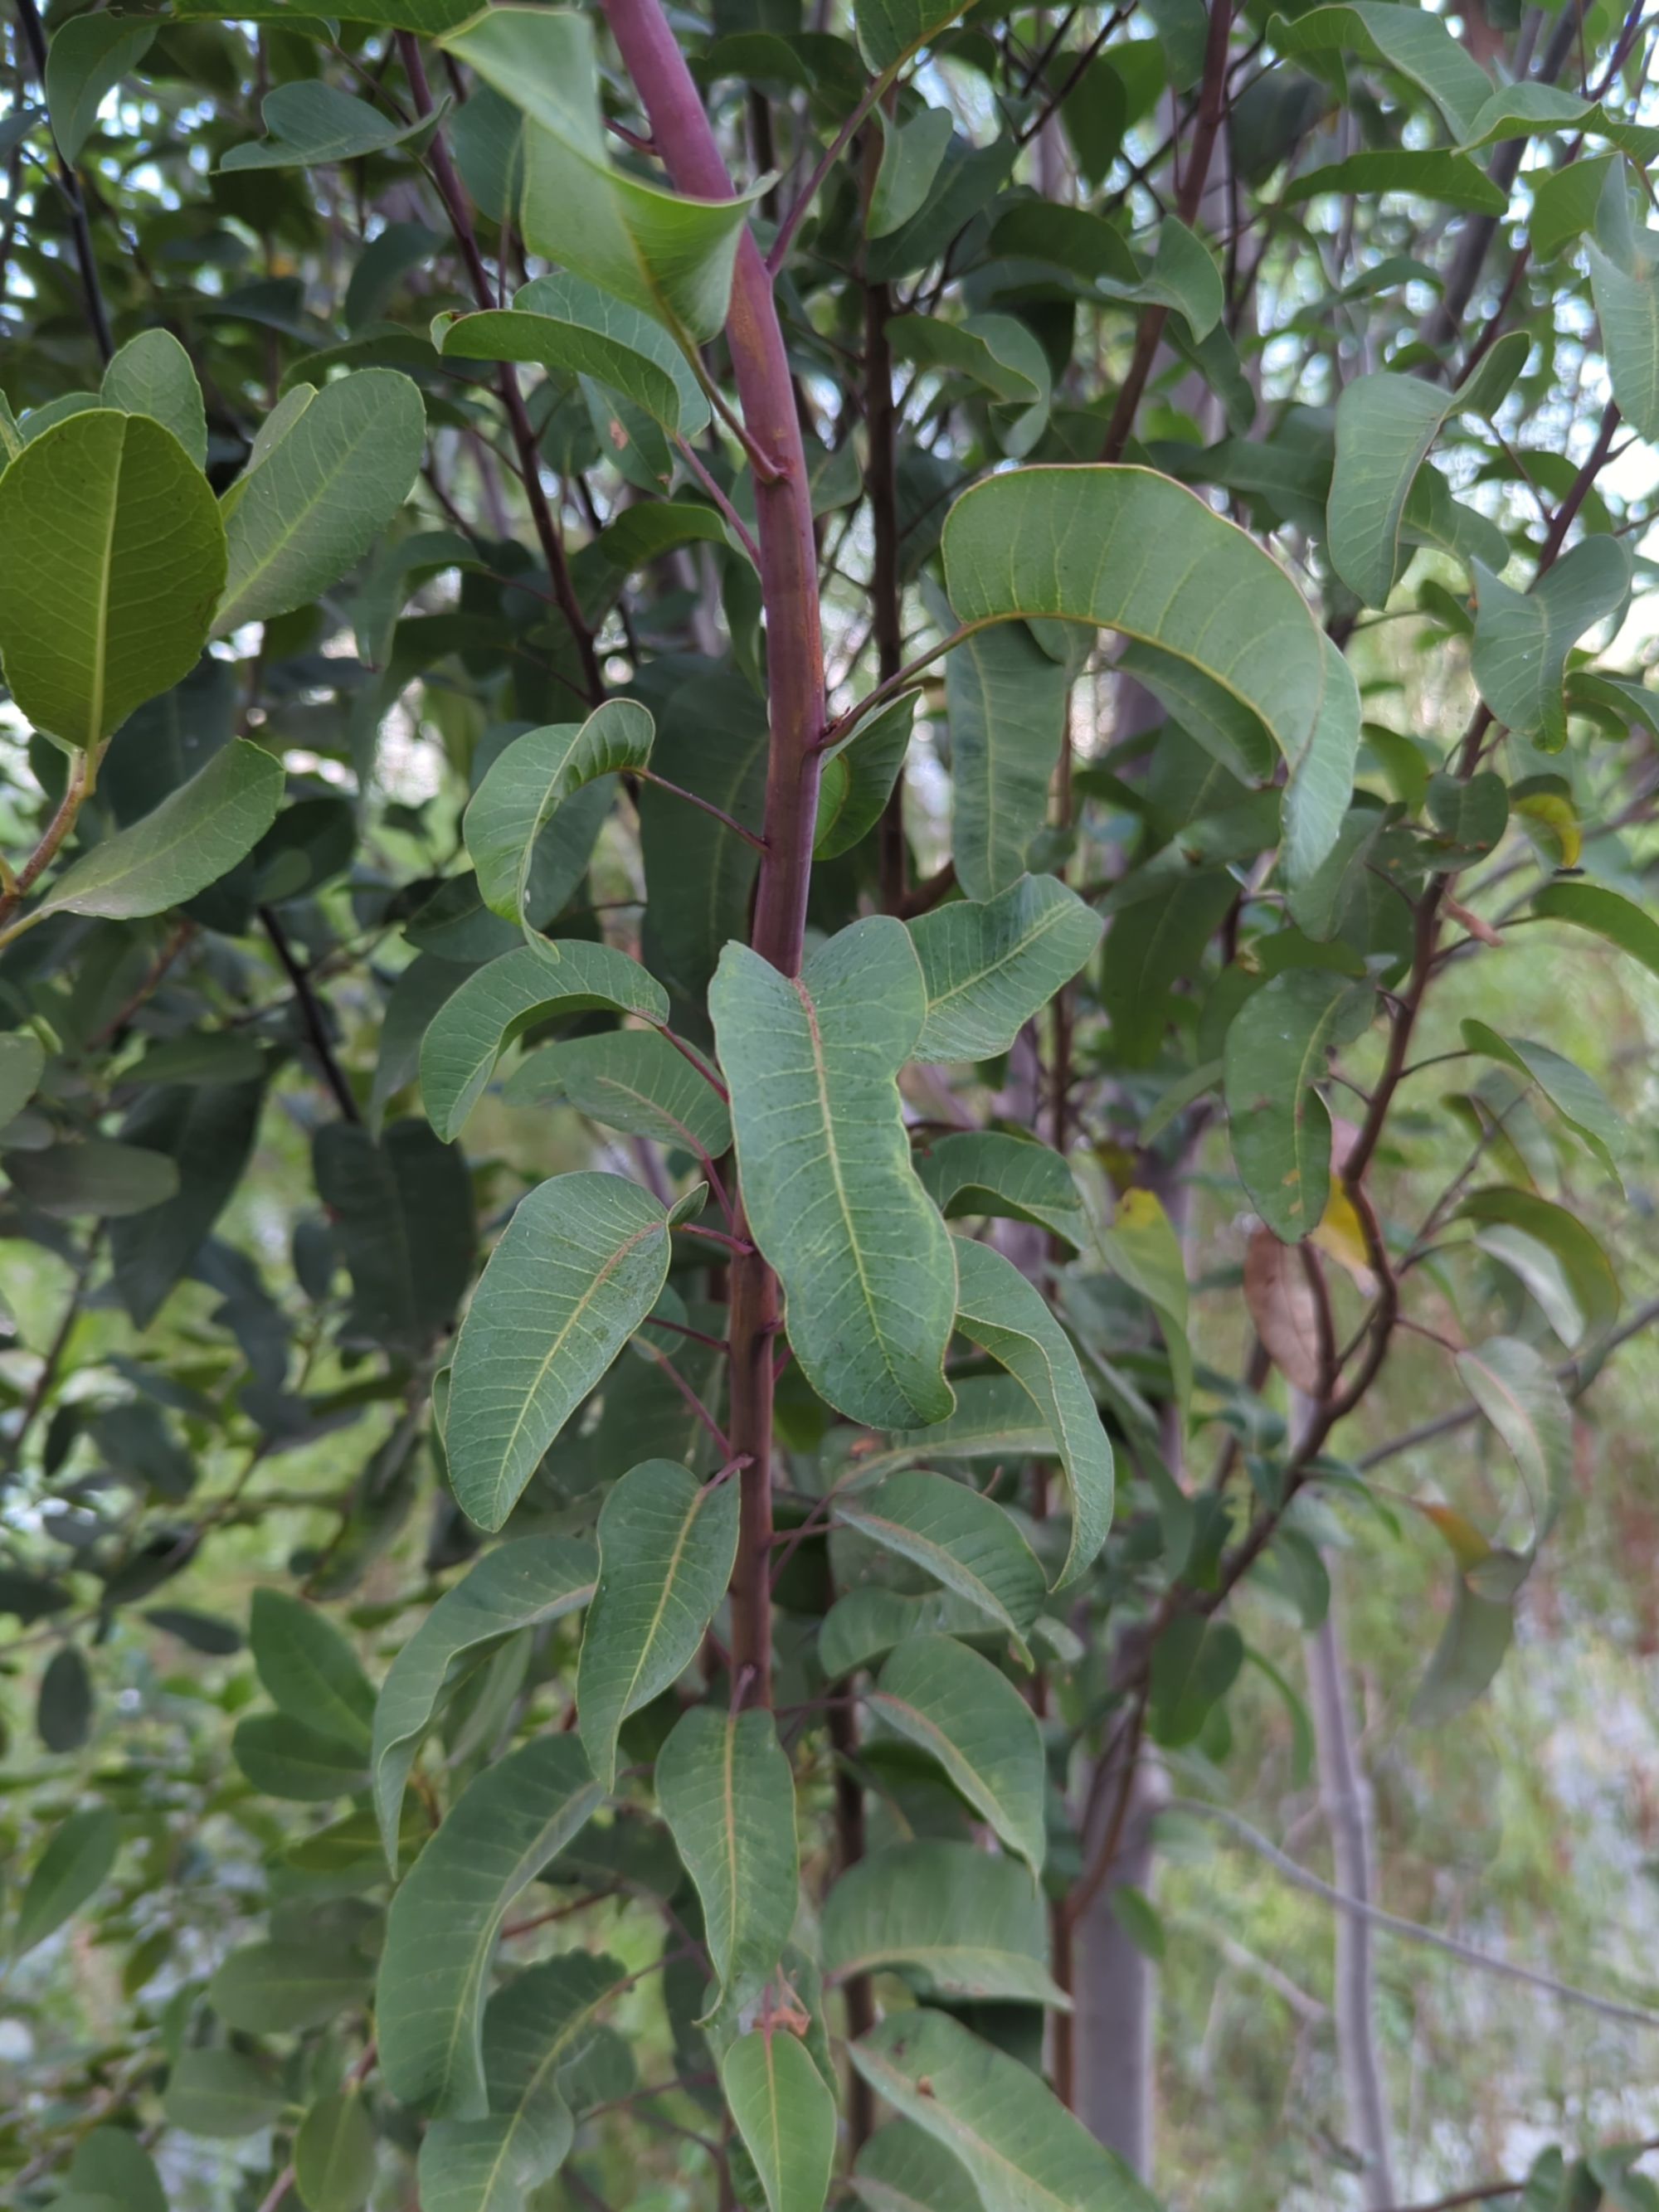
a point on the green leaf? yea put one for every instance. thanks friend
(1521, 640)
(475, 1025)
(1564, 203)
(111, 2162)
(126, 560)
(1452, 180)
(1589, 1276)
(994, 1418)
(1624, 271)
(531, 780)
(95, 1176)
(89, 57)
(870, 1621)
(1473, 1646)
(564, 324)
(996, 352)
(152, 375)
(22, 1063)
(335, 2154)
(832, 1198)
(1162, 945)
(1003, 1313)
(964, 1540)
(1320, 785)
(74, 1864)
(633, 1080)
(1006, 700)
(910, 155)
(274, 1989)
(666, 1546)
(1022, 2148)
(285, 1758)
(312, 124)
(212, 1127)
(1577, 1097)
(511, 1821)
(519, 1585)
(889, 32)
(579, 1267)
(1419, 46)
(1517, 1393)
(956, 1921)
(315, 496)
(220, 2094)
(1183, 276)
(192, 838)
(987, 967)
(1527, 110)
(859, 776)
(936, 1693)
(725, 1788)
(901, 2169)
(673, 258)
(403, 1222)
(983, 1171)
(786, 2115)
(1126, 550)
(534, 2032)
(492, 2164)
(307, 1668)
(1275, 1055)
(1385, 426)
(1609, 913)
(712, 739)
(1194, 1663)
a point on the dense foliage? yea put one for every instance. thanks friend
(700, 712)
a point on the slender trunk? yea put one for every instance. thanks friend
(795, 649)
(886, 604)
(1115, 1993)
(1107, 2051)
(1346, 1797)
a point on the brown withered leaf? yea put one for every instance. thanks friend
(1282, 1305)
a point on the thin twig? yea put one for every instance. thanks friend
(1412, 1930)
(310, 1013)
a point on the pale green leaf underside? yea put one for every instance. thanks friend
(1007, 1316)
(957, 1706)
(666, 1546)
(315, 497)
(833, 1200)
(964, 1540)
(476, 1022)
(197, 834)
(152, 375)
(580, 1266)
(634, 1080)
(440, 1934)
(671, 256)
(536, 776)
(1521, 639)
(1419, 44)
(786, 2115)
(988, 968)
(565, 323)
(1127, 550)
(725, 1788)
(519, 1585)
(986, 1171)
(957, 1921)
(1274, 1055)
(1023, 2149)
(126, 557)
